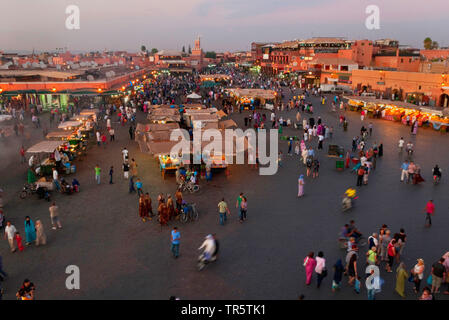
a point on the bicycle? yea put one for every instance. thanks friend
(192, 188)
(27, 190)
(343, 241)
(189, 213)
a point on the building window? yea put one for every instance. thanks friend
(419, 88)
(410, 60)
(402, 60)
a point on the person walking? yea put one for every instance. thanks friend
(148, 206)
(133, 167)
(142, 208)
(55, 179)
(112, 134)
(10, 233)
(98, 136)
(438, 274)
(320, 268)
(175, 241)
(125, 155)
(97, 170)
(401, 277)
(430, 211)
(404, 171)
(418, 274)
(54, 216)
(126, 170)
(18, 239)
(22, 155)
(384, 241)
(222, 210)
(401, 144)
(170, 207)
(391, 253)
(26, 291)
(309, 264)
(131, 185)
(111, 172)
(163, 213)
(139, 186)
(338, 275)
(360, 174)
(243, 209)
(301, 185)
(30, 231)
(351, 268)
(3, 274)
(41, 238)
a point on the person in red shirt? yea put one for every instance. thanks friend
(22, 155)
(430, 210)
(19, 242)
(103, 139)
(391, 251)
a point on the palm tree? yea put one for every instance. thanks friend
(428, 43)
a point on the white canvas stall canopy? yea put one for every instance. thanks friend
(69, 125)
(82, 117)
(254, 93)
(160, 148)
(187, 106)
(194, 96)
(5, 117)
(89, 112)
(45, 147)
(164, 114)
(60, 134)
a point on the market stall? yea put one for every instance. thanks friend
(70, 125)
(227, 124)
(164, 115)
(45, 155)
(250, 99)
(161, 150)
(398, 111)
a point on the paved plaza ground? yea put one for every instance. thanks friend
(120, 257)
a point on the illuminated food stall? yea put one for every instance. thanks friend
(44, 155)
(161, 150)
(400, 112)
(254, 98)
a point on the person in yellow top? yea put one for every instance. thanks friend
(222, 210)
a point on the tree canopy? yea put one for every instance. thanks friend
(211, 54)
(143, 48)
(154, 50)
(430, 44)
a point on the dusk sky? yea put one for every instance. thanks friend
(222, 24)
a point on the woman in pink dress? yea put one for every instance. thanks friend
(309, 264)
(301, 186)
